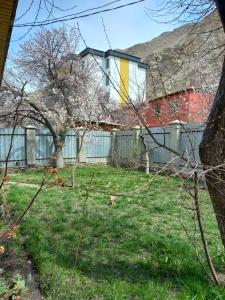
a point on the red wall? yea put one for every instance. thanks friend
(193, 108)
(199, 107)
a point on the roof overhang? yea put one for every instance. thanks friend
(114, 53)
(7, 16)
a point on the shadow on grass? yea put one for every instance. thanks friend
(104, 265)
(135, 272)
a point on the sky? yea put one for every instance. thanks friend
(125, 27)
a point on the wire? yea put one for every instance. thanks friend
(59, 8)
(26, 11)
(34, 22)
(80, 12)
(49, 11)
(37, 24)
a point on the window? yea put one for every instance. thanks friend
(107, 95)
(107, 63)
(107, 80)
(174, 106)
(157, 109)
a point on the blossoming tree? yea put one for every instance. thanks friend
(63, 89)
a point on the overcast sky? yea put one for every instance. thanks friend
(125, 27)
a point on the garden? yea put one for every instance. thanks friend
(118, 234)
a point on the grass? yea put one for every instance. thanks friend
(115, 247)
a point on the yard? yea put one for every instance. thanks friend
(118, 235)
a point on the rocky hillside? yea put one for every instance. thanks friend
(190, 56)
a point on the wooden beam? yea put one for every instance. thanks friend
(7, 16)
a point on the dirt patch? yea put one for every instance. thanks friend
(18, 274)
(24, 184)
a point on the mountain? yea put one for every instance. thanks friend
(190, 56)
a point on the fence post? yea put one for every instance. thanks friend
(30, 145)
(136, 145)
(136, 135)
(174, 144)
(114, 161)
(81, 154)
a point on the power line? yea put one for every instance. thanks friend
(26, 11)
(74, 16)
(59, 8)
(80, 12)
(29, 29)
(50, 13)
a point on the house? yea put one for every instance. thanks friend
(7, 15)
(122, 76)
(190, 106)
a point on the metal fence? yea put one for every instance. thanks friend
(184, 139)
(190, 139)
(45, 147)
(97, 145)
(17, 143)
(157, 153)
(125, 147)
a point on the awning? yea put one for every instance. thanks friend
(7, 16)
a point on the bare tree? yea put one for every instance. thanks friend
(212, 150)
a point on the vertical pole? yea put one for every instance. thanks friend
(136, 145)
(175, 131)
(30, 145)
(136, 135)
(114, 160)
(81, 150)
(145, 157)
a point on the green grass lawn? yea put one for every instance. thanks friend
(125, 240)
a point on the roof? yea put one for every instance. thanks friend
(92, 51)
(7, 15)
(108, 126)
(114, 53)
(122, 55)
(187, 90)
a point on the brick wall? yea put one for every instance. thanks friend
(189, 106)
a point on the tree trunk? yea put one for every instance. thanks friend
(59, 158)
(59, 147)
(220, 5)
(212, 147)
(212, 153)
(146, 155)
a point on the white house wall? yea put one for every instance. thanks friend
(114, 84)
(98, 68)
(135, 78)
